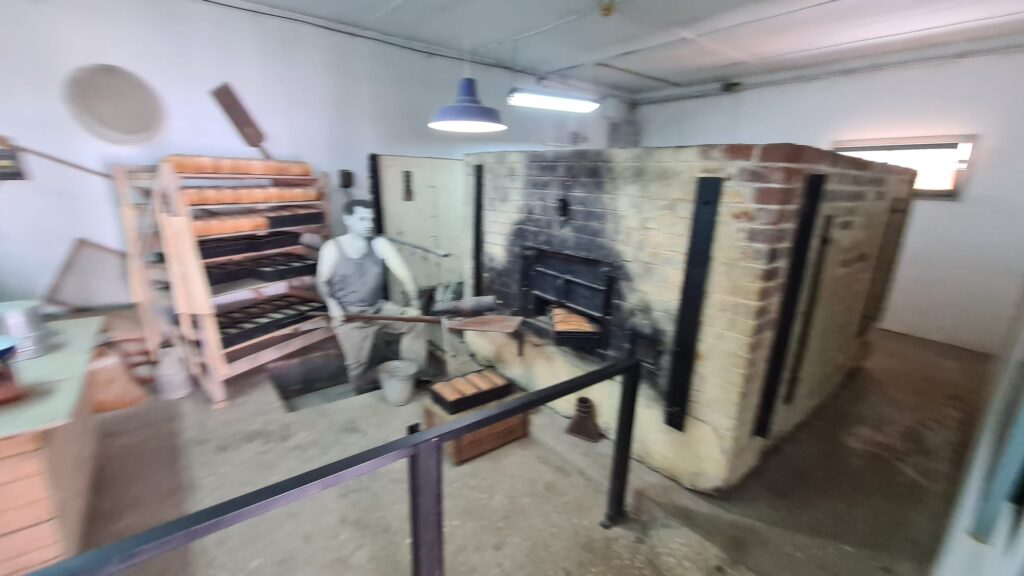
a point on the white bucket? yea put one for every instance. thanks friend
(172, 378)
(397, 380)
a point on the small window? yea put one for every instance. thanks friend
(940, 161)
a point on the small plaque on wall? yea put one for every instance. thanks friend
(10, 168)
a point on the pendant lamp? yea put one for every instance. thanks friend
(467, 114)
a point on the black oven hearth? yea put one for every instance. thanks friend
(582, 285)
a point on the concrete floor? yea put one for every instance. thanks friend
(863, 488)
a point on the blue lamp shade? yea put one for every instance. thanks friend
(467, 114)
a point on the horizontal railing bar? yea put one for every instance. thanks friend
(568, 278)
(535, 399)
(191, 527)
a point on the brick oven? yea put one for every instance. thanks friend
(744, 276)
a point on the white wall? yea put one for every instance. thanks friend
(962, 264)
(318, 95)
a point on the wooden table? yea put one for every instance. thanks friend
(47, 448)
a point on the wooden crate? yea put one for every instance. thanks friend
(481, 441)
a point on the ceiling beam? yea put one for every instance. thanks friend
(639, 74)
(534, 32)
(387, 10)
(900, 55)
(675, 34)
(907, 59)
(413, 46)
(924, 30)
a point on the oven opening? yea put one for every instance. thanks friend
(567, 298)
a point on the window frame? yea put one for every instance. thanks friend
(912, 142)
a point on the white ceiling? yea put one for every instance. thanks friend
(648, 46)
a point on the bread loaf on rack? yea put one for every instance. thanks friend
(230, 224)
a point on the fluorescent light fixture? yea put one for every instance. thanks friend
(529, 99)
(471, 126)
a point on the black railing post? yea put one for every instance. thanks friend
(424, 451)
(623, 436)
(425, 507)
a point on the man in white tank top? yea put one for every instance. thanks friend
(350, 277)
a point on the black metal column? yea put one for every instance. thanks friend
(375, 193)
(478, 230)
(702, 232)
(425, 505)
(810, 304)
(623, 438)
(377, 197)
(790, 301)
(424, 479)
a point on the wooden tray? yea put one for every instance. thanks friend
(479, 442)
(573, 330)
(469, 391)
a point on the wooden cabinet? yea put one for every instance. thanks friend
(47, 451)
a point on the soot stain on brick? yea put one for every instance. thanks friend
(569, 211)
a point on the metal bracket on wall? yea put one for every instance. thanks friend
(702, 233)
(790, 300)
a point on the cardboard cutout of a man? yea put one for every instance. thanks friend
(350, 276)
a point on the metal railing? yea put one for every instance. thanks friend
(422, 448)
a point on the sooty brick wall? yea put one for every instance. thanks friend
(634, 208)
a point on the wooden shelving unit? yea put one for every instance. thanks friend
(196, 303)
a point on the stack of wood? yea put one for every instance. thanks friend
(44, 483)
(463, 395)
